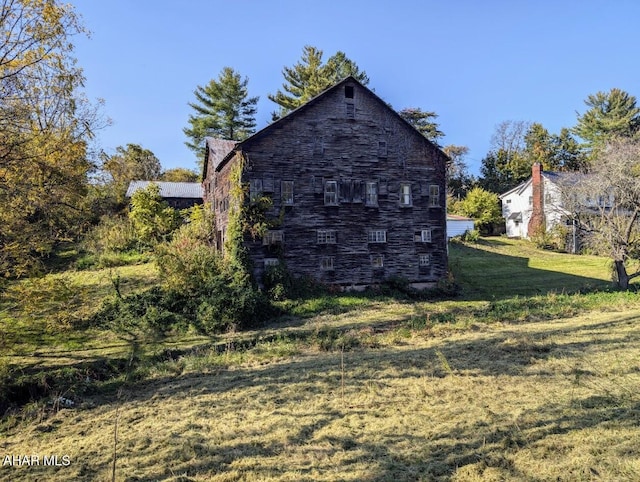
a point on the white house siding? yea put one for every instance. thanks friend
(516, 210)
(458, 225)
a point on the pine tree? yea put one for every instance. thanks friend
(423, 122)
(223, 109)
(611, 114)
(309, 77)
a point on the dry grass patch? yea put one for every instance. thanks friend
(552, 400)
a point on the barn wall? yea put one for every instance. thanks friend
(351, 141)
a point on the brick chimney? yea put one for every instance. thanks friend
(536, 223)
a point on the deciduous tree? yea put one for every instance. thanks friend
(130, 163)
(179, 174)
(45, 127)
(605, 204)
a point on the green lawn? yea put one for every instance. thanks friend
(528, 375)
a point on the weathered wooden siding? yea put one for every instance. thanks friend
(322, 143)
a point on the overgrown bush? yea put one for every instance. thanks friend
(152, 218)
(113, 234)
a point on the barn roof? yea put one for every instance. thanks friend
(282, 120)
(216, 150)
(188, 190)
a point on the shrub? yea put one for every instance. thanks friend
(152, 218)
(114, 234)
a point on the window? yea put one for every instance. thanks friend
(425, 235)
(326, 236)
(327, 263)
(348, 91)
(425, 260)
(331, 193)
(287, 192)
(377, 261)
(434, 195)
(351, 111)
(405, 194)
(382, 149)
(271, 262)
(508, 201)
(255, 189)
(378, 236)
(371, 194)
(273, 237)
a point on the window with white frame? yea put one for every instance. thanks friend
(434, 195)
(377, 236)
(425, 260)
(287, 192)
(268, 262)
(327, 263)
(405, 194)
(331, 193)
(377, 261)
(273, 237)
(327, 236)
(425, 235)
(371, 194)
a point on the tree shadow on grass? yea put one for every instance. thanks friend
(487, 275)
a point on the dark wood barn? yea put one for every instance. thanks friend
(357, 194)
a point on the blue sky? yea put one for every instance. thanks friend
(475, 63)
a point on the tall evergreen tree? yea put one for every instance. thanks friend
(424, 122)
(310, 76)
(223, 109)
(610, 114)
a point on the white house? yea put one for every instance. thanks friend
(534, 204)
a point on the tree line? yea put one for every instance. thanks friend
(55, 183)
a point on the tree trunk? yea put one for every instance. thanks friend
(621, 274)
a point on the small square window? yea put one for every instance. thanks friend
(425, 260)
(377, 261)
(327, 263)
(331, 193)
(405, 194)
(377, 236)
(287, 192)
(268, 262)
(326, 236)
(434, 195)
(425, 235)
(273, 237)
(348, 91)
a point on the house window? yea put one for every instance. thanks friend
(425, 260)
(378, 236)
(287, 192)
(351, 111)
(348, 91)
(530, 200)
(255, 189)
(405, 194)
(425, 235)
(327, 263)
(434, 195)
(331, 193)
(382, 149)
(273, 237)
(377, 261)
(326, 236)
(508, 201)
(269, 262)
(371, 194)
